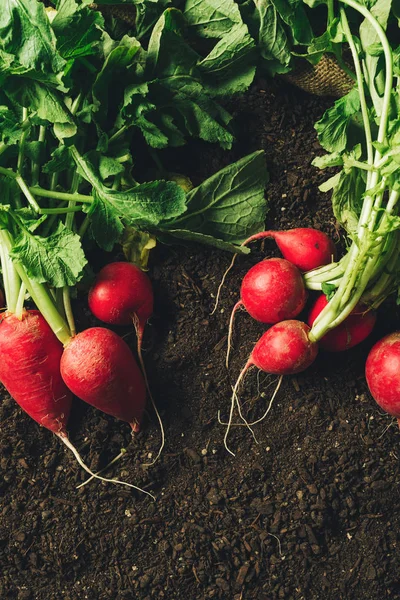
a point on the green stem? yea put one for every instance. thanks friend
(21, 149)
(19, 309)
(68, 310)
(35, 164)
(84, 226)
(11, 279)
(66, 196)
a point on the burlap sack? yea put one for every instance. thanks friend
(324, 79)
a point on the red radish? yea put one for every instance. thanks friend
(382, 371)
(284, 349)
(99, 367)
(122, 294)
(352, 331)
(271, 291)
(304, 247)
(30, 371)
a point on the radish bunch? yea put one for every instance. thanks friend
(274, 292)
(43, 364)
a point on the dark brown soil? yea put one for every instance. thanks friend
(310, 512)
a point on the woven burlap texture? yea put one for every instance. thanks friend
(326, 78)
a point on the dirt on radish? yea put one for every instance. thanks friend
(311, 511)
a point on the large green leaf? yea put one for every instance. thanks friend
(230, 205)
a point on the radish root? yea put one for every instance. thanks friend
(114, 460)
(139, 334)
(222, 284)
(230, 331)
(75, 452)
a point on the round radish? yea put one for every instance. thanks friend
(99, 368)
(352, 331)
(122, 293)
(382, 371)
(284, 349)
(304, 247)
(271, 291)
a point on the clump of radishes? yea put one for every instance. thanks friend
(271, 291)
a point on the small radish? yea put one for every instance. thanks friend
(352, 331)
(271, 291)
(284, 349)
(122, 294)
(30, 371)
(382, 371)
(99, 367)
(304, 247)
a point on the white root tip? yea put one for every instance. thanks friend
(114, 460)
(75, 452)
(222, 284)
(146, 381)
(230, 332)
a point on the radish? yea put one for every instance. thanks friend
(30, 371)
(352, 331)
(304, 247)
(99, 367)
(122, 294)
(284, 349)
(271, 291)
(382, 371)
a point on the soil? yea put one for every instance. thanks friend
(311, 511)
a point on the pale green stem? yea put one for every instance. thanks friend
(19, 309)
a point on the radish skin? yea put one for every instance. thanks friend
(352, 331)
(304, 247)
(30, 371)
(284, 349)
(99, 367)
(382, 371)
(122, 294)
(271, 291)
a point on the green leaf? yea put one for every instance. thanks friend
(10, 126)
(230, 66)
(78, 30)
(267, 28)
(58, 259)
(45, 101)
(293, 14)
(173, 236)
(60, 161)
(328, 160)
(212, 18)
(105, 223)
(333, 127)
(347, 199)
(27, 42)
(230, 205)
